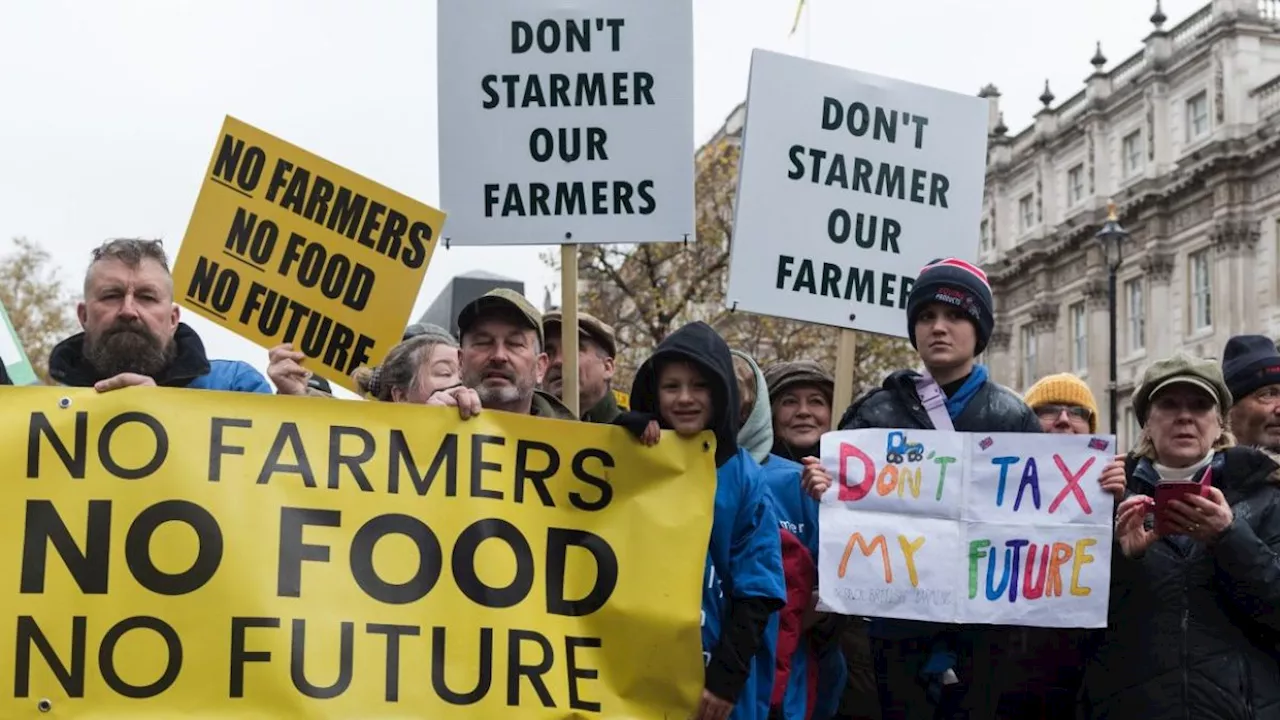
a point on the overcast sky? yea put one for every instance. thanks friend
(109, 109)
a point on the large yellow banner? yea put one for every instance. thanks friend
(189, 553)
(284, 246)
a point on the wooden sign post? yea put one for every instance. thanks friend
(569, 327)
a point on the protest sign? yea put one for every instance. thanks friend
(566, 122)
(850, 183)
(999, 528)
(13, 354)
(251, 556)
(285, 246)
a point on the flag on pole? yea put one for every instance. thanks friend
(796, 23)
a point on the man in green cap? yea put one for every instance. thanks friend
(596, 348)
(502, 359)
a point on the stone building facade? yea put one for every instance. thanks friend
(1184, 137)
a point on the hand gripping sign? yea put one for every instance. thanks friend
(257, 556)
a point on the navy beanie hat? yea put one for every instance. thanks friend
(1250, 362)
(957, 283)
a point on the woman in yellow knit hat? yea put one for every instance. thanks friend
(1064, 404)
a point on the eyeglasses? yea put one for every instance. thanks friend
(1054, 411)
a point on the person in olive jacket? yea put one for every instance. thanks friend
(1194, 617)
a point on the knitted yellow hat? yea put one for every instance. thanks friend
(1066, 389)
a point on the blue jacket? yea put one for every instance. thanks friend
(744, 557)
(798, 513)
(744, 560)
(190, 367)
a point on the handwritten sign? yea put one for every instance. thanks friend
(1009, 529)
(286, 247)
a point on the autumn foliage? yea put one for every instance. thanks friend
(647, 291)
(39, 307)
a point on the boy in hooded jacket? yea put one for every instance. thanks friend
(928, 669)
(688, 386)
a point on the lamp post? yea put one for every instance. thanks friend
(1112, 237)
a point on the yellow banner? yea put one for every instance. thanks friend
(190, 553)
(285, 246)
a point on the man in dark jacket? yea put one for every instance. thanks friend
(132, 336)
(949, 320)
(1251, 365)
(597, 346)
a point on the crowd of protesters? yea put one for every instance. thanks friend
(1194, 618)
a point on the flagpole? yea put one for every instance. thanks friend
(808, 30)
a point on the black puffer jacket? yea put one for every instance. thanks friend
(896, 405)
(1194, 630)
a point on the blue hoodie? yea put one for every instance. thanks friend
(744, 559)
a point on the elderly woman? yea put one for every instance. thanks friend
(414, 370)
(1194, 618)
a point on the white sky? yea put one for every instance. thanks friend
(109, 109)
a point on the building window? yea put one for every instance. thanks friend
(1131, 430)
(984, 233)
(1137, 312)
(1131, 153)
(1079, 338)
(1075, 185)
(1028, 355)
(1197, 116)
(1201, 291)
(1027, 212)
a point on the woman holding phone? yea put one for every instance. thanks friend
(1194, 620)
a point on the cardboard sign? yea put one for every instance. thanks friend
(265, 557)
(849, 184)
(285, 246)
(1003, 528)
(566, 122)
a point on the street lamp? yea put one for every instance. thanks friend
(1112, 237)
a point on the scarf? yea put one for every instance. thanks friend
(959, 400)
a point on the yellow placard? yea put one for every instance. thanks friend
(285, 246)
(177, 553)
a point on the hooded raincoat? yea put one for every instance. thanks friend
(744, 579)
(810, 675)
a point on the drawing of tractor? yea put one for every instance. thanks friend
(898, 446)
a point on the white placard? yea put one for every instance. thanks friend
(566, 121)
(1017, 533)
(849, 184)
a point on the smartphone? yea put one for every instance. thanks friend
(1167, 490)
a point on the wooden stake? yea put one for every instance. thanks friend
(569, 326)
(844, 375)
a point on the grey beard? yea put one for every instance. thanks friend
(128, 351)
(499, 398)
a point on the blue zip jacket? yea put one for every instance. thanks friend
(744, 560)
(744, 557)
(190, 367)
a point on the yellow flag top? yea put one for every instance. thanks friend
(286, 247)
(176, 552)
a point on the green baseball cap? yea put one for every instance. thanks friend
(589, 325)
(501, 301)
(1180, 369)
